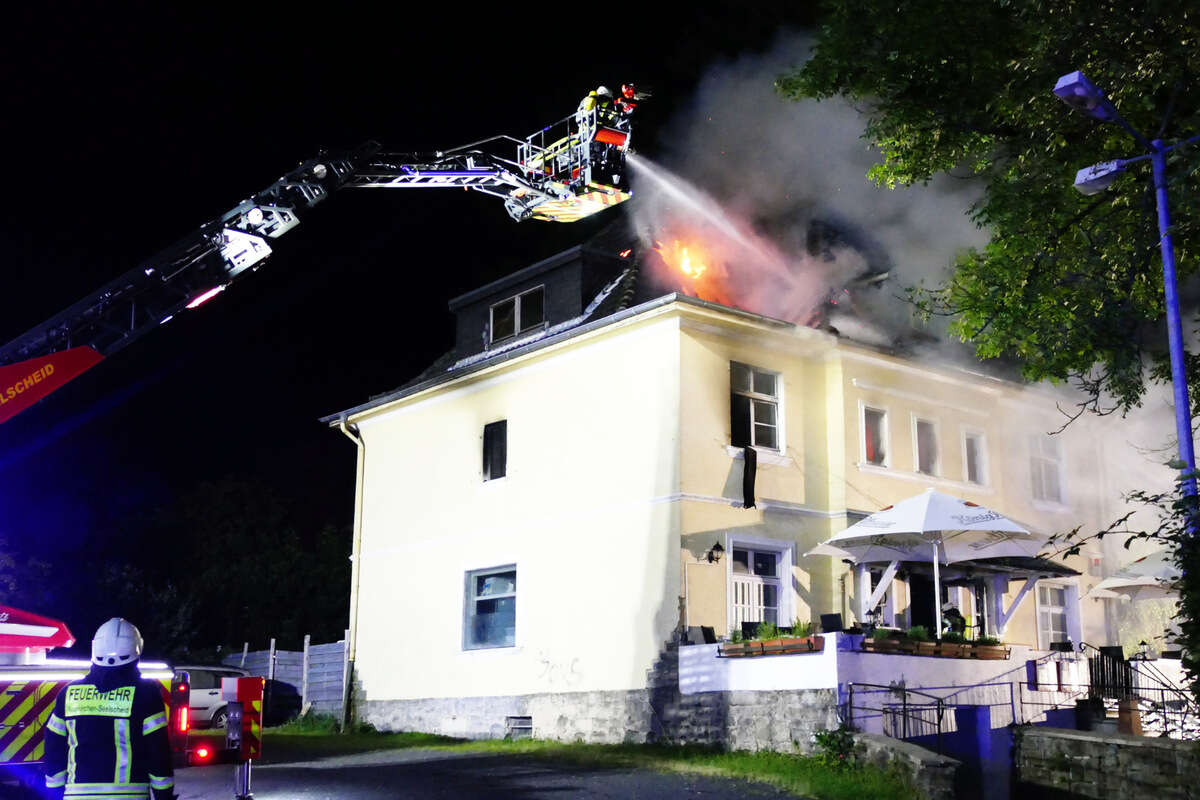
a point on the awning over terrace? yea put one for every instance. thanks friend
(996, 573)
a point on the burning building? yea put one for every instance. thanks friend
(604, 467)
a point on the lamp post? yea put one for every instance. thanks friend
(1077, 91)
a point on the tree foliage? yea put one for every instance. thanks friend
(228, 563)
(1069, 285)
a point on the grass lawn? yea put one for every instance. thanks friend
(802, 775)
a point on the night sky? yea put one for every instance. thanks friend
(127, 129)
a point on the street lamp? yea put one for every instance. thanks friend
(1077, 91)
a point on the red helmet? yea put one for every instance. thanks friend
(628, 90)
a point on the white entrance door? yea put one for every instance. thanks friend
(755, 596)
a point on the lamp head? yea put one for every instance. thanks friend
(715, 552)
(1079, 93)
(1098, 177)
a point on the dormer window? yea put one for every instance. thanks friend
(519, 314)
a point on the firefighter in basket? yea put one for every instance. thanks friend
(107, 737)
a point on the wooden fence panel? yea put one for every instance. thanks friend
(325, 668)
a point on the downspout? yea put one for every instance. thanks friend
(355, 571)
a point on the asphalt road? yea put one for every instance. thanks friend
(420, 774)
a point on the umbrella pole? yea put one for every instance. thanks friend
(937, 594)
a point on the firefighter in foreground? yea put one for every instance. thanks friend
(107, 737)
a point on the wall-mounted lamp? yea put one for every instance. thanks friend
(1144, 650)
(714, 553)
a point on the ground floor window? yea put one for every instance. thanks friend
(490, 617)
(1051, 615)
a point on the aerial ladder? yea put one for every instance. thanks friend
(564, 172)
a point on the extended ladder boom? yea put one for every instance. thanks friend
(564, 172)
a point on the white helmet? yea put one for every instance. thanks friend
(116, 642)
(603, 90)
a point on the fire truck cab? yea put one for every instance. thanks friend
(30, 681)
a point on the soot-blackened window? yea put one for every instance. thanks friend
(753, 407)
(495, 450)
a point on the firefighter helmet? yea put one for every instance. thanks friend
(603, 91)
(116, 642)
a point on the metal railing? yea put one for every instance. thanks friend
(914, 713)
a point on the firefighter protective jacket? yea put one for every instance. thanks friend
(107, 738)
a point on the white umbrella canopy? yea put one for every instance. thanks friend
(932, 526)
(1152, 577)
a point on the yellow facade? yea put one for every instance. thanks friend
(622, 477)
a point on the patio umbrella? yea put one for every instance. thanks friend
(935, 526)
(1152, 577)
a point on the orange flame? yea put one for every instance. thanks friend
(680, 259)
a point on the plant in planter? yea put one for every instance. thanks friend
(954, 645)
(736, 646)
(919, 641)
(800, 640)
(990, 648)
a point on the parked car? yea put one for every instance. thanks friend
(205, 705)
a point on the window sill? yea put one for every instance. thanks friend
(771, 457)
(1050, 506)
(512, 337)
(510, 649)
(921, 477)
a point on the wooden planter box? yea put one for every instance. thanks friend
(990, 652)
(786, 645)
(954, 650)
(926, 648)
(793, 644)
(881, 645)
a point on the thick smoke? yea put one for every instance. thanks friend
(792, 176)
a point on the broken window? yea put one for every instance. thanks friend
(518, 314)
(491, 608)
(927, 449)
(1046, 466)
(975, 458)
(875, 436)
(495, 450)
(753, 407)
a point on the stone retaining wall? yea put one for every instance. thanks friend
(1101, 765)
(931, 774)
(781, 721)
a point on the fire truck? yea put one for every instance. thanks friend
(30, 681)
(568, 170)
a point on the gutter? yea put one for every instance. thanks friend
(353, 435)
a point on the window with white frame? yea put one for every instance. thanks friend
(875, 436)
(1051, 614)
(975, 458)
(490, 616)
(925, 434)
(518, 314)
(755, 585)
(753, 407)
(1046, 468)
